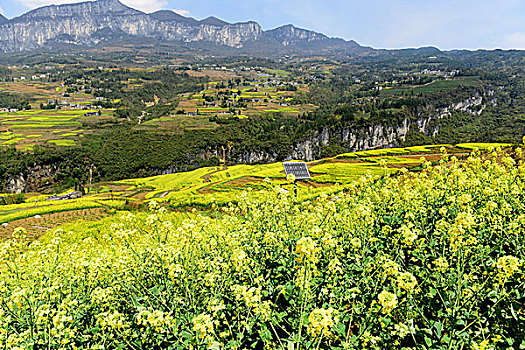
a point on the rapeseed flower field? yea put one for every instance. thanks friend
(427, 260)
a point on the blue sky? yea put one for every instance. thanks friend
(447, 24)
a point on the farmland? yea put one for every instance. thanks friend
(250, 98)
(64, 106)
(209, 187)
(25, 129)
(393, 259)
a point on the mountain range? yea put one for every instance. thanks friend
(107, 21)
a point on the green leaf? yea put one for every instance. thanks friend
(438, 326)
(428, 340)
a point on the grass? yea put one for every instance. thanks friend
(64, 143)
(482, 146)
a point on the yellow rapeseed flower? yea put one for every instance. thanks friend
(507, 266)
(306, 249)
(406, 281)
(388, 302)
(321, 322)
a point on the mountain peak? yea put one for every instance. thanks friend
(111, 3)
(3, 19)
(85, 9)
(172, 16)
(107, 2)
(214, 21)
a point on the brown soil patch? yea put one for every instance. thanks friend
(207, 189)
(207, 177)
(346, 160)
(38, 227)
(141, 196)
(402, 165)
(118, 187)
(313, 184)
(215, 74)
(30, 88)
(242, 181)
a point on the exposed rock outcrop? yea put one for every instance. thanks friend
(16, 184)
(354, 139)
(92, 22)
(36, 178)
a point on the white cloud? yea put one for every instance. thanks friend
(143, 5)
(1, 11)
(182, 12)
(147, 6)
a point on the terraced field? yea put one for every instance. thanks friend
(265, 100)
(24, 129)
(217, 186)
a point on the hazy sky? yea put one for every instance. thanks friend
(447, 24)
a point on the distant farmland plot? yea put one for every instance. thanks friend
(27, 128)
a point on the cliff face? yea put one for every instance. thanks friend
(92, 22)
(288, 35)
(36, 178)
(380, 136)
(354, 139)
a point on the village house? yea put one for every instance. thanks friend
(92, 114)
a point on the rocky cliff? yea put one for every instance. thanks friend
(36, 178)
(288, 35)
(354, 139)
(380, 135)
(92, 22)
(351, 139)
